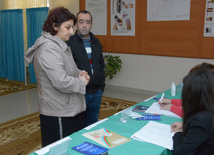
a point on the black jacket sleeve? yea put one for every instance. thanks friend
(198, 133)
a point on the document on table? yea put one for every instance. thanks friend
(155, 109)
(155, 133)
(106, 137)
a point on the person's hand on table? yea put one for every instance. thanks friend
(164, 101)
(165, 107)
(177, 126)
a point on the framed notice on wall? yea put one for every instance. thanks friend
(168, 10)
(98, 10)
(209, 19)
(123, 17)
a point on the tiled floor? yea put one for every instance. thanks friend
(26, 102)
(18, 104)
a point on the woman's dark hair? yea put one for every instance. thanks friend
(204, 65)
(197, 94)
(56, 17)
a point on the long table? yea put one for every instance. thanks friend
(127, 129)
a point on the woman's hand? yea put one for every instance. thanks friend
(84, 79)
(177, 126)
(166, 107)
(164, 101)
(83, 75)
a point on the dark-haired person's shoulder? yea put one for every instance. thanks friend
(204, 115)
(73, 40)
(203, 119)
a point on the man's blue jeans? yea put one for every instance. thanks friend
(93, 107)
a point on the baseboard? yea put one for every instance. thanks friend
(133, 90)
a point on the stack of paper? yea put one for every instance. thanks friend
(155, 109)
(155, 133)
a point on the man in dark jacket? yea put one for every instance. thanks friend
(87, 53)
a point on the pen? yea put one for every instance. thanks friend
(162, 97)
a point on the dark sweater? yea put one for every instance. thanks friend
(97, 80)
(199, 139)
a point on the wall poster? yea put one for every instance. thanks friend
(98, 10)
(123, 17)
(168, 10)
(209, 19)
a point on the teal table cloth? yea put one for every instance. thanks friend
(127, 130)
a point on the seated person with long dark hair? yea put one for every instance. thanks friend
(197, 135)
(175, 105)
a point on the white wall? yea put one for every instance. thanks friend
(72, 5)
(1, 4)
(152, 73)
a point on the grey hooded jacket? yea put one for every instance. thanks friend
(61, 92)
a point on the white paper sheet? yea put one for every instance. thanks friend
(168, 10)
(98, 10)
(155, 109)
(155, 133)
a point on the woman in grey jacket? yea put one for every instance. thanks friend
(61, 85)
